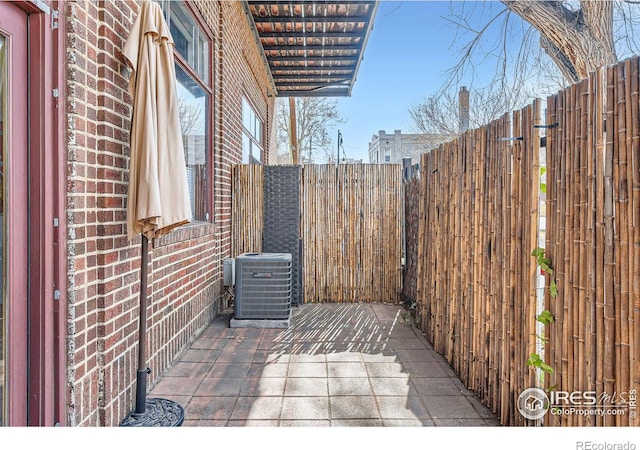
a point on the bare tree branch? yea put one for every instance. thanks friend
(314, 117)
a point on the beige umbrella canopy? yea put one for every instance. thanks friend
(158, 198)
(158, 192)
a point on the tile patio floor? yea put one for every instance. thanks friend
(336, 365)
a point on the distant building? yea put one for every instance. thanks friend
(392, 148)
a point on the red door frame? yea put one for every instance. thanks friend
(40, 392)
(13, 24)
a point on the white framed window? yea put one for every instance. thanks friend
(252, 134)
(193, 62)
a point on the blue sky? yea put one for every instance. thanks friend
(405, 60)
(411, 47)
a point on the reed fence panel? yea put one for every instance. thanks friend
(475, 279)
(475, 276)
(351, 228)
(247, 216)
(352, 232)
(593, 241)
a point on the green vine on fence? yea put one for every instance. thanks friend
(545, 317)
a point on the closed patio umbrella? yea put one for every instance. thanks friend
(158, 195)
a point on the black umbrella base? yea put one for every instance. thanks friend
(159, 412)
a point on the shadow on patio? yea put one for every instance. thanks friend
(336, 365)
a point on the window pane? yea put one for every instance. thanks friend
(251, 135)
(256, 153)
(192, 109)
(189, 41)
(246, 148)
(246, 115)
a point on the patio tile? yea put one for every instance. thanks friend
(436, 386)
(401, 332)
(277, 334)
(217, 328)
(422, 369)
(219, 387)
(357, 423)
(276, 370)
(308, 370)
(305, 423)
(407, 344)
(210, 408)
(460, 422)
(375, 354)
(333, 347)
(257, 408)
(482, 409)
(402, 407)
(268, 357)
(353, 407)
(425, 355)
(263, 387)
(306, 387)
(308, 358)
(272, 344)
(408, 423)
(230, 369)
(200, 355)
(203, 423)
(236, 355)
(385, 369)
(182, 400)
(392, 386)
(385, 312)
(252, 423)
(346, 369)
(254, 333)
(463, 389)
(209, 343)
(305, 408)
(189, 369)
(349, 386)
(344, 356)
(337, 365)
(180, 386)
(448, 407)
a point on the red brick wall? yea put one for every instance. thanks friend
(242, 73)
(185, 275)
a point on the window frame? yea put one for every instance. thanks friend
(254, 141)
(206, 204)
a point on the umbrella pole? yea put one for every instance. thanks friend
(143, 371)
(153, 412)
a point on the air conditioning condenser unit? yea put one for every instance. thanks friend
(263, 288)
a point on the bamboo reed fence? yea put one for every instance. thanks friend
(351, 229)
(478, 216)
(593, 239)
(352, 232)
(246, 209)
(409, 280)
(478, 223)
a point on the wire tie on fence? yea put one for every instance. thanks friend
(520, 138)
(553, 125)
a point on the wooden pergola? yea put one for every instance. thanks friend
(312, 48)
